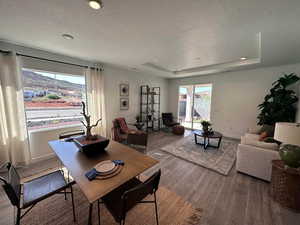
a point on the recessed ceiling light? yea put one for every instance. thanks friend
(96, 4)
(243, 58)
(67, 36)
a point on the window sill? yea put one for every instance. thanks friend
(54, 128)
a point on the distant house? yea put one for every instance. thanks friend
(40, 93)
(28, 95)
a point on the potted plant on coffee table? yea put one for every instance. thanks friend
(206, 126)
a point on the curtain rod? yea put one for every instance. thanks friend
(51, 60)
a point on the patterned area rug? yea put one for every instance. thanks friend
(219, 160)
(173, 210)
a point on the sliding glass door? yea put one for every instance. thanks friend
(194, 104)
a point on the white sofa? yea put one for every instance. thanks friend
(254, 157)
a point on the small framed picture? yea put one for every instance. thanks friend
(124, 103)
(124, 89)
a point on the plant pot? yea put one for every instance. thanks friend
(91, 147)
(205, 130)
(290, 155)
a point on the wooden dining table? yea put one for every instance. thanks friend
(78, 164)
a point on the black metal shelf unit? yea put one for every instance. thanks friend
(150, 107)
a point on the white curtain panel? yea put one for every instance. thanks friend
(14, 145)
(95, 99)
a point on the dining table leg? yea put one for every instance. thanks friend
(90, 214)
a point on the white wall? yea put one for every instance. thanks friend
(114, 76)
(235, 96)
(298, 114)
(38, 141)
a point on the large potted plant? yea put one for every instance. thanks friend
(279, 104)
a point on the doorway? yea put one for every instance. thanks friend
(194, 105)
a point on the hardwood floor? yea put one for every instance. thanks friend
(236, 199)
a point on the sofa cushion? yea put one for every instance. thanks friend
(259, 144)
(249, 136)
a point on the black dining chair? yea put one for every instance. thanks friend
(68, 135)
(122, 199)
(27, 195)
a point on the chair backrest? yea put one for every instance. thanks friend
(167, 118)
(122, 125)
(135, 194)
(71, 133)
(115, 131)
(12, 185)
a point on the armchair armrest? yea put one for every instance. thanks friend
(137, 138)
(255, 161)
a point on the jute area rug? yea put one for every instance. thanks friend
(173, 210)
(219, 160)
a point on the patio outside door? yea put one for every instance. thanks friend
(194, 105)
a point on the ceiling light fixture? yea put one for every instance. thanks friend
(96, 4)
(243, 58)
(67, 36)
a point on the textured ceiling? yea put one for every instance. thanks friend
(191, 37)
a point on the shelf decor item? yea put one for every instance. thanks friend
(139, 122)
(289, 135)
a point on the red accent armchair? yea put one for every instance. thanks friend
(121, 133)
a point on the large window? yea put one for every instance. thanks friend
(52, 99)
(194, 104)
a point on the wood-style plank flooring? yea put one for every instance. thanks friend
(236, 199)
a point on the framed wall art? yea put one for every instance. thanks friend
(124, 103)
(124, 89)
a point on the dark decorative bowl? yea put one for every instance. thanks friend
(91, 147)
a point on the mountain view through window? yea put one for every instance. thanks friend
(51, 99)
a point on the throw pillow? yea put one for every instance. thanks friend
(263, 136)
(269, 129)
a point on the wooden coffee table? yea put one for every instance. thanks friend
(207, 137)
